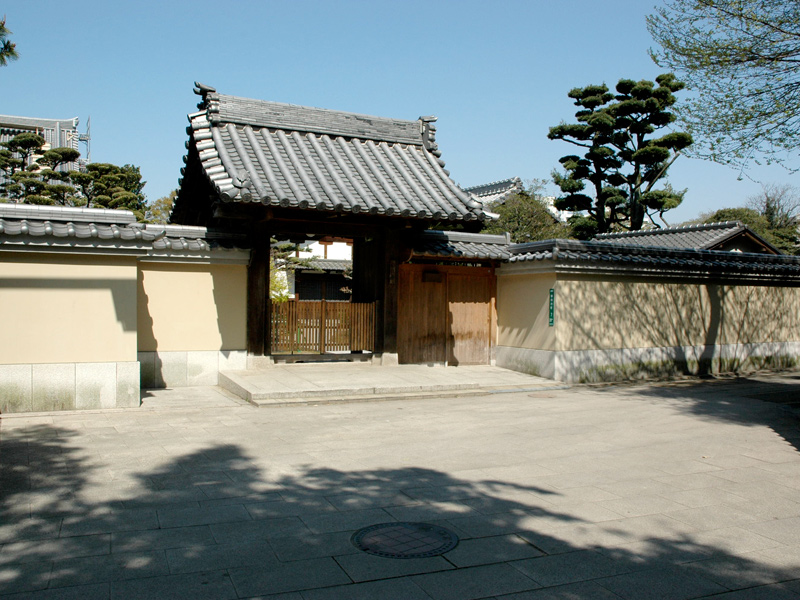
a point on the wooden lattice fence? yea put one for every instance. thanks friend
(319, 327)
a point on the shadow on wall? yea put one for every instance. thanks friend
(674, 317)
(187, 314)
(229, 287)
(217, 523)
(151, 370)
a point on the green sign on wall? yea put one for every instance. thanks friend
(552, 307)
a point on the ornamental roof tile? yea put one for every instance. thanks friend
(461, 245)
(292, 156)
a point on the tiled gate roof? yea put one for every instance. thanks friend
(285, 155)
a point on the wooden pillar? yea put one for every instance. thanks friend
(258, 301)
(375, 279)
(368, 276)
(393, 254)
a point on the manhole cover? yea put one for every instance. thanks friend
(404, 540)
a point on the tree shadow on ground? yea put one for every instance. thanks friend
(220, 523)
(772, 401)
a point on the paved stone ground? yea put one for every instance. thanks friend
(673, 491)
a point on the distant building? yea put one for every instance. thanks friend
(496, 192)
(57, 133)
(326, 276)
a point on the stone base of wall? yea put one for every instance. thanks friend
(68, 386)
(540, 363)
(182, 369)
(586, 366)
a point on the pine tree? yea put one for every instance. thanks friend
(622, 163)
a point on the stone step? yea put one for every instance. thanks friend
(237, 384)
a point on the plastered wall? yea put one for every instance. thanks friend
(191, 307)
(607, 330)
(625, 314)
(67, 308)
(523, 303)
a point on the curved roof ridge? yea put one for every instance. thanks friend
(224, 108)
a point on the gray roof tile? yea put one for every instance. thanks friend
(317, 159)
(613, 258)
(69, 227)
(66, 214)
(704, 236)
(327, 264)
(260, 113)
(457, 244)
(94, 233)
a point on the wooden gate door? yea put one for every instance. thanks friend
(469, 301)
(422, 316)
(445, 314)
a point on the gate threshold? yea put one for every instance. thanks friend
(322, 358)
(314, 383)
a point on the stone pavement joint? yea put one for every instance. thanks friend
(687, 490)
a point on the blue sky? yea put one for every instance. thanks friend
(495, 73)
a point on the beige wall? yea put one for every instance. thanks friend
(189, 307)
(523, 304)
(67, 308)
(624, 314)
(591, 314)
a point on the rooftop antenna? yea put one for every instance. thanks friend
(87, 137)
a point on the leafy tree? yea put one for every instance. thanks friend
(278, 283)
(160, 210)
(750, 217)
(8, 49)
(622, 163)
(525, 217)
(741, 57)
(784, 238)
(780, 204)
